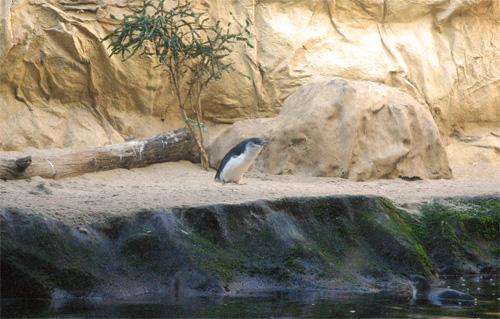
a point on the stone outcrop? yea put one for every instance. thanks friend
(59, 89)
(292, 243)
(334, 242)
(351, 129)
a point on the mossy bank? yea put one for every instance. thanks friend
(351, 243)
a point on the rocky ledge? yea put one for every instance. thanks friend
(355, 243)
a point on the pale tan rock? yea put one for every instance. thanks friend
(340, 128)
(59, 89)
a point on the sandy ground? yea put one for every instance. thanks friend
(94, 197)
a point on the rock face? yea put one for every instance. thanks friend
(59, 89)
(219, 249)
(291, 243)
(351, 129)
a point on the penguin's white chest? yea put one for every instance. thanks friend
(237, 166)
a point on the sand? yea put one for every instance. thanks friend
(93, 198)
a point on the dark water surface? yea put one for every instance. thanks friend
(276, 304)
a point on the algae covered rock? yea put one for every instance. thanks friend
(355, 243)
(462, 235)
(292, 243)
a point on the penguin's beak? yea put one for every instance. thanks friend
(264, 143)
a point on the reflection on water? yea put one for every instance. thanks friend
(290, 304)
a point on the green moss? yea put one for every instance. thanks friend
(456, 231)
(292, 259)
(46, 269)
(329, 244)
(323, 209)
(322, 251)
(407, 227)
(477, 217)
(495, 250)
(331, 231)
(143, 250)
(456, 223)
(142, 243)
(214, 258)
(266, 234)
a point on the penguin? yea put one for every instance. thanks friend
(238, 160)
(439, 296)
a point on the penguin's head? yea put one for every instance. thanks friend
(255, 142)
(419, 283)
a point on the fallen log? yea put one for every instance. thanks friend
(164, 147)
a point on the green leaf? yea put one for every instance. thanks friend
(187, 46)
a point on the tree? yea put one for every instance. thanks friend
(186, 45)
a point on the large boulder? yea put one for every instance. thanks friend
(353, 129)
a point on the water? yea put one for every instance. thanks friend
(276, 304)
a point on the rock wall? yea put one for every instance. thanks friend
(325, 243)
(59, 89)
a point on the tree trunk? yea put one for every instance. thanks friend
(164, 147)
(203, 152)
